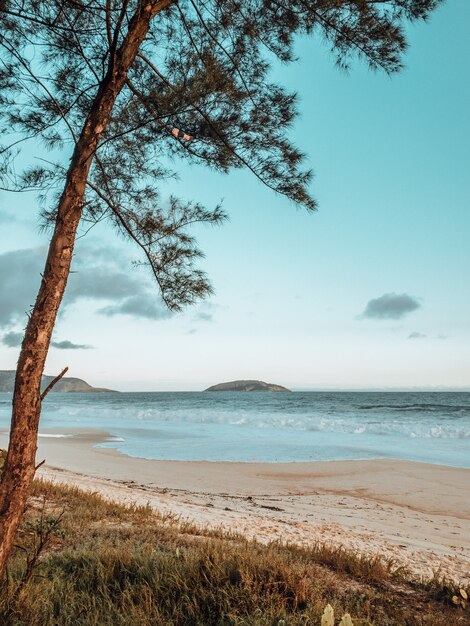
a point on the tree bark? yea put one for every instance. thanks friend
(19, 468)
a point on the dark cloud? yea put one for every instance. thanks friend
(204, 317)
(12, 339)
(101, 282)
(143, 305)
(205, 312)
(416, 335)
(97, 275)
(20, 275)
(69, 345)
(390, 306)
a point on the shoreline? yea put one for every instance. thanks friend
(94, 437)
(415, 513)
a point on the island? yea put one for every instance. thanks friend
(66, 384)
(247, 385)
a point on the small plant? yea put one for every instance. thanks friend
(328, 619)
(41, 529)
(460, 599)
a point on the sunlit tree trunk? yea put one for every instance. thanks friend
(19, 468)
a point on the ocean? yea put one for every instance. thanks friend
(270, 427)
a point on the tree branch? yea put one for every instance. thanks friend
(226, 52)
(34, 20)
(128, 230)
(53, 383)
(40, 83)
(214, 128)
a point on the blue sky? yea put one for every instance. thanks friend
(392, 179)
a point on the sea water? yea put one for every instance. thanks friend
(272, 427)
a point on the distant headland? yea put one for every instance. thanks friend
(247, 385)
(66, 384)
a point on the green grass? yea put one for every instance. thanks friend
(108, 564)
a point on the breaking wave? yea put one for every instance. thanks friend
(418, 407)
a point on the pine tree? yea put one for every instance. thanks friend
(119, 86)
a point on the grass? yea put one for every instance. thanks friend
(109, 564)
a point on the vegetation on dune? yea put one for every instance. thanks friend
(109, 564)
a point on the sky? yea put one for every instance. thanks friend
(370, 292)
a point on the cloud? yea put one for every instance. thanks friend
(20, 276)
(204, 317)
(416, 335)
(12, 339)
(101, 282)
(97, 275)
(390, 306)
(140, 306)
(443, 337)
(205, 312)
(69, 345)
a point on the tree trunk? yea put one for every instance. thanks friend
(19, 468)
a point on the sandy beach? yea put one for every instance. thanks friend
(415, 513)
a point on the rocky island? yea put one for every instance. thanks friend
(247, 385)
(66, 384)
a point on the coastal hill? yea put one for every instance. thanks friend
(247, 385)
(66, 384)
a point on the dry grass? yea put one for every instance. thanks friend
(110, 564)
(114, 564)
